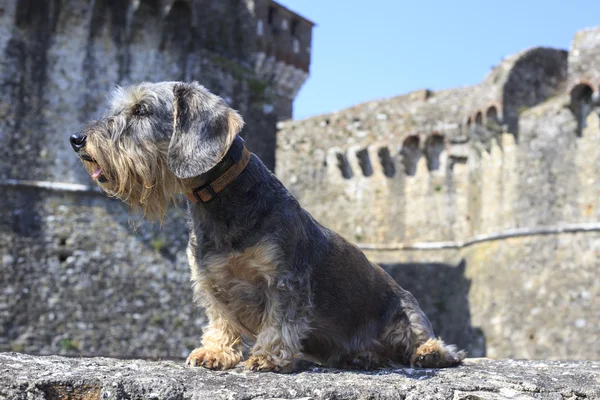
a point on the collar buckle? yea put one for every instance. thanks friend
(209, 191)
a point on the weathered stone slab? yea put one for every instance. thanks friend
(34, 377)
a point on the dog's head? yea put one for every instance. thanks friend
(154, 139)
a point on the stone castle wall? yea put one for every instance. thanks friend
(484, 198)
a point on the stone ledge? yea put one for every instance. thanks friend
(52, 377)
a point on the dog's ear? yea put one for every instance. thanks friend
(203, 129)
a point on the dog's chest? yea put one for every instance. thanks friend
(242, 284)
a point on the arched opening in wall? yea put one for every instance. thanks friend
(478, 130)
(364, 162)
(344, 166)
(479, 118)
(385, 158)
(467, 126)
(491, 116)
(581, 105)
(410, 154)
(434, 146)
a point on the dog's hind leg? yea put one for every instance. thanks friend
(275, 349)
(434, 353)
(410, 340)
(286, 325)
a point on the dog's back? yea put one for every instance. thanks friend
(338, 307)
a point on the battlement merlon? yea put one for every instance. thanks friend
(584, 57)
(283, 50)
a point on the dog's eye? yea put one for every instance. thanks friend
(141, 110)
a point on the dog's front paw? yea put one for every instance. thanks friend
(266, 363)
(211, 359)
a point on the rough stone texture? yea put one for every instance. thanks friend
(584, 58)
(33, 378)
(79, 279)
(284, 50)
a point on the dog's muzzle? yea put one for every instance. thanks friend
(77, 141)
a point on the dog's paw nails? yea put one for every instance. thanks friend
(252, 364)
(212, 359)
(264, 364)
(191, 361)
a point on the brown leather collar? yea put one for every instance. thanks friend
(209, 191)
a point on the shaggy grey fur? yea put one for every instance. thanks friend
(261, 265)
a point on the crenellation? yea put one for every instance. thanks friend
(469, 128)
(434, 145)
(283, 50)
(363, 158)
(411, 154)
(387, 163)
(338, 164)
(582, 102)
(584, 58)
(355, 156)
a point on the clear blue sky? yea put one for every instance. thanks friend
(365, 50)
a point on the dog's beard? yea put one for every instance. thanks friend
(136, 173)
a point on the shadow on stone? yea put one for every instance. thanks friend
(443, 293)
(305, 366)
(24, 218)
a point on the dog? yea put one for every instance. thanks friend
(261, 266)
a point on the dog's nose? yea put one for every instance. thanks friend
(77, 141)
